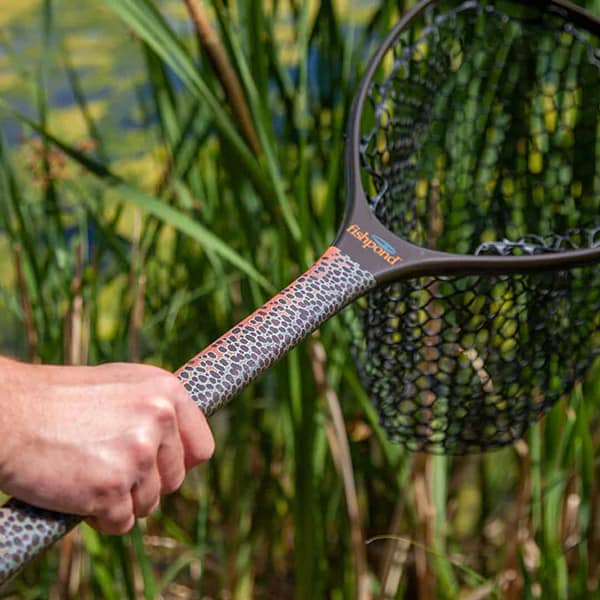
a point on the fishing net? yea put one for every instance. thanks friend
(482, 136)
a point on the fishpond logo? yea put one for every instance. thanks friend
(375, 243)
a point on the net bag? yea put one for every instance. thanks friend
(482, 136)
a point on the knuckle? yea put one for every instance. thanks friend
(204, 451)
(147, 510)
(160, 378)
(155, 505)
(119, 518)
(143, 451)
(163, 412)
(173, 483)
(200, 456)
(115, 485)
(122, 527)
(115, 518)
(209, 449)
(89, 505)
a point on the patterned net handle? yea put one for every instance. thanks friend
(212, 378)
(471, 126)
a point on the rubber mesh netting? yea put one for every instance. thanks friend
(482, 136)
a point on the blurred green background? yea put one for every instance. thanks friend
(148, 219)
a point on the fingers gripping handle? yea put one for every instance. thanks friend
(215, 375)
(212, 378)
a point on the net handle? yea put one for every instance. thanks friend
(212, 378)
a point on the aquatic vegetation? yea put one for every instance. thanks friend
(137, 223)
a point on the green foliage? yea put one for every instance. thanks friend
(147, 243)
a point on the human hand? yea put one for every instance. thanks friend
(102, 442)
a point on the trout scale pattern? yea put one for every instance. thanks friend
(25, 531)
(228, 364)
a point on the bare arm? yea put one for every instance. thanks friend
(102, 442)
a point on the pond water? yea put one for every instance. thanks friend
(87, 40)
(90, 40)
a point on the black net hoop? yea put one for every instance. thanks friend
(482, 136)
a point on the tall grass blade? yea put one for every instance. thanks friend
(143, 18)
(121, 189)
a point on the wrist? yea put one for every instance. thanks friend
(13, 385)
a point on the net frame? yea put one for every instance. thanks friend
(457, 364)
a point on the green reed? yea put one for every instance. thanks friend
(108, 261)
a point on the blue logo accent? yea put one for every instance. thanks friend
(381, 242)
